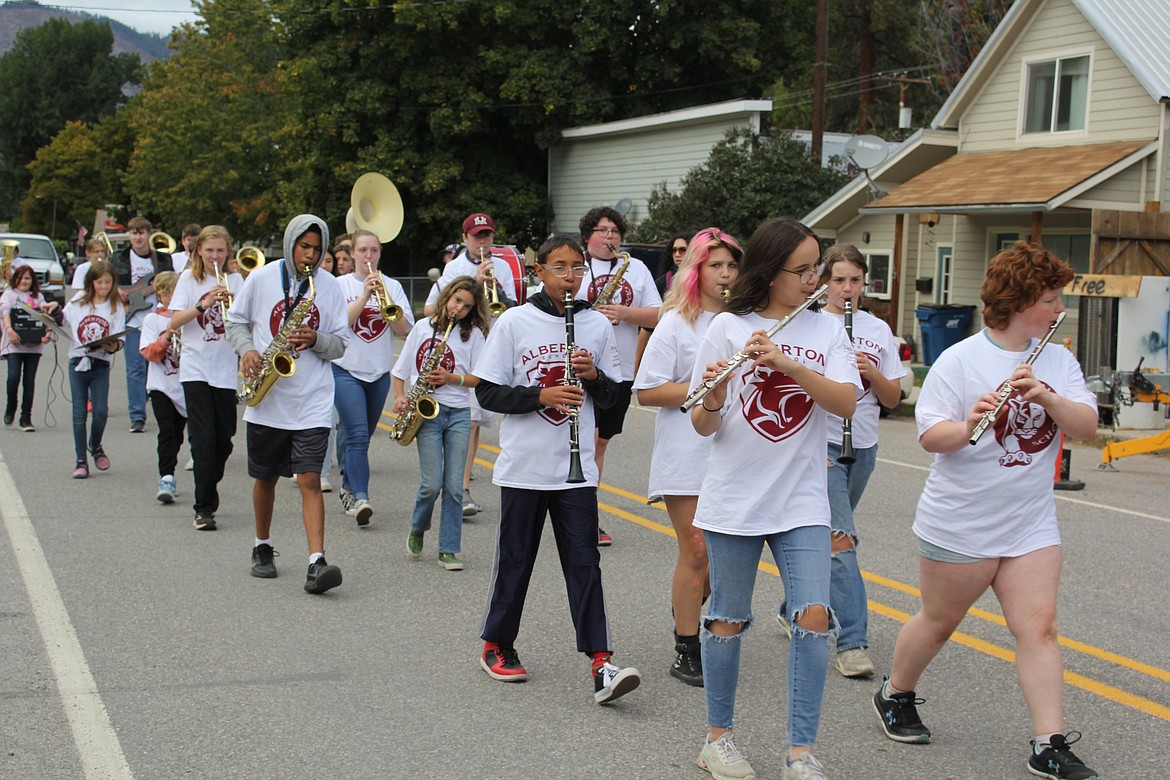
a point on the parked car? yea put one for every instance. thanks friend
(40, 253)
(905, 354)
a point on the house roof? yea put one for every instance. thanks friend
(1038, 179)
(729, 109)
(1138, 31)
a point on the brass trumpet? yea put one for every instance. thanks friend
(104, 237)
(390, 311)
(496, 307)
(249, 258)
(162, 242)
(221, 279)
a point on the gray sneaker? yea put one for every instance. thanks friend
(470, 508)
(805, 768)
(783, 622)
(854, 663)
(724, 761)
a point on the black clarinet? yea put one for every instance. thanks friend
(576, 475)
(847, 456)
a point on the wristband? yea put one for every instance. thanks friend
(461, 380)
(703, 404)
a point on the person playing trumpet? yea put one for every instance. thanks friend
(378, 310)
(498, 283)
(209, 366)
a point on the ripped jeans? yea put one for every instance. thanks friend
(802, 555)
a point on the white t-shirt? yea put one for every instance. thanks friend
(766, 472)
(874, 339)
(526, 347)
(994, 499)
(636, 289)
(89, 323)
(370, 352)
(458, 358)
(79, 275)
(305, 399)
(463, 265)
(164, 374)
(179, 262)
(680, 454)
(207, 355)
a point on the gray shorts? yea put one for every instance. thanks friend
(941, 554)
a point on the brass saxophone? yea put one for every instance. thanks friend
(611, 287)
(420, 404)
(277, 360)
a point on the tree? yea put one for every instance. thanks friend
(204, 149)
(746, 180)
(55, 73)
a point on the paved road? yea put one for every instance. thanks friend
(131, 644)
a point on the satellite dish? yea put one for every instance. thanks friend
(623, 206)
(867, 151)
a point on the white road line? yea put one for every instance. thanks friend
(1059, 497)
(97, 745)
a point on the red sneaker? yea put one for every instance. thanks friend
(100, 459)
(502, 663)
(603, 539)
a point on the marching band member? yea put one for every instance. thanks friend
(1004, 535)
(880, 369)
(479, 231)
(522, 374)
(209, 366)
(361, 377)
(773, 412)
(22, 357)
(288, 429)
(634, 304)
(442, 441)
(95, 314)
(679, 460)
(180, 261)
(163, 385)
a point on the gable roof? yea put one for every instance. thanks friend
(1138, 31)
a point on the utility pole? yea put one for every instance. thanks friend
(820, 77)
(903, 111)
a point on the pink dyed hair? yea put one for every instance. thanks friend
(684, 292)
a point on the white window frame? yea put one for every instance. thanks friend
(889, 278)
(1053, 56)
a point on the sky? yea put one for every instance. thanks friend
(148, 16)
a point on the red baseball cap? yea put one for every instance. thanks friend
(477, 223)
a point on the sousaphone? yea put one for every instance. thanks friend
(376, 206)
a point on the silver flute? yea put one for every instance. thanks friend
(1005, 390)
(700, 392)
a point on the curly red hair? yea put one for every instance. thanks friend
(1016, 278)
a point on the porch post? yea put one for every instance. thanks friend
(892, 316)
(1037, 227)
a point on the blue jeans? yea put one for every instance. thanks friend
(847, 590)
(442, 454)
(135, 376)
(802, 556)
(92, 385)
(359, 405)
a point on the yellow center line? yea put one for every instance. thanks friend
(996, 651)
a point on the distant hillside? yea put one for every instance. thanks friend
(17, 16)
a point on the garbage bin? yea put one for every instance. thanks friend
(942, 325)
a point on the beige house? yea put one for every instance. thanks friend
(1058, 134)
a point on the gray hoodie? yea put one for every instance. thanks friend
(328, 346)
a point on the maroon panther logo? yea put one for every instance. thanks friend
(774, 405)
(211, 320)
(369, 325)
(276, 319)
(91, 328)
(624, 295)
(447, 361)
(1023, 429)
(549, 372)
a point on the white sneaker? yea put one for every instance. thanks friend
(783, 621)
(612, 682)
(724, 761)
(167, 490)
(470, 508)
(326, 487)
(807, 768)
(854, 663)
(363, 510)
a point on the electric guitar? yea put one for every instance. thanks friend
(136, 296)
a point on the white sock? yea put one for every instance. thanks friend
(314, 556)
(1042, 741)
(263, 541)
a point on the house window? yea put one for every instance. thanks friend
(881, 272)
(1057, 95)
(1074, 249)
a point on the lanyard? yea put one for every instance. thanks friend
(285, 284)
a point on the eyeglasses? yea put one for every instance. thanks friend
(561, 271)
(679, 250)
(808, 276)
(607, 231)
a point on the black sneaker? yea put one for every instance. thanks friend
(9, 417)
(138, 426)
(611, 682)
(204, 521)
(262, 564)
(688, 661)
(322, 576)
(899, 715)
(1057, 761)
(26, 425)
